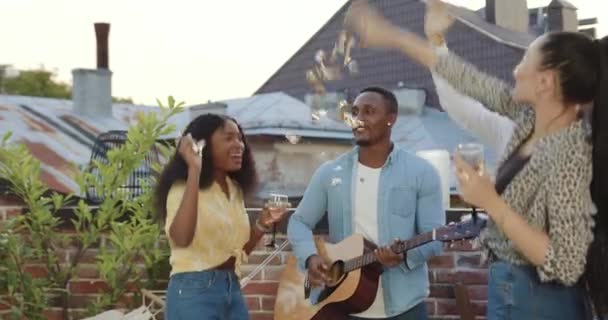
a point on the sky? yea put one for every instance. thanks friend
(195, 50)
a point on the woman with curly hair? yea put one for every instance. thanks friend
(200, 198)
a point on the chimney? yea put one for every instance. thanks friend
(509, 14)
(561, 16)
(92, 88)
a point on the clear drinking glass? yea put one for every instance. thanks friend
(275, 201)
(473, 155)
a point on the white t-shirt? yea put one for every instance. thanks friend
(366, 224)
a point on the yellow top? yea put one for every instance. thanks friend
(222, 229)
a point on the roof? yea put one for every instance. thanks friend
(58, 136)
(279, 114)
(62, 139)
(494, 49)
(433, 130)
(477, 22)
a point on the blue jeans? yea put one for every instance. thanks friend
(515, 292)
(209, 295)
(418, 312)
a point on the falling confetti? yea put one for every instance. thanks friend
(331, 68)
(345, 114)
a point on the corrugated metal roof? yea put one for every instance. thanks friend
(434, 129)
(277, 113)
(62, 140)
(58, 136)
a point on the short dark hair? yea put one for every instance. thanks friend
(389, 97)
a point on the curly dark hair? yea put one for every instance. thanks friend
(176, 169)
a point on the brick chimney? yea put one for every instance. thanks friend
(509, 14)
(561, 16)
(92, 88)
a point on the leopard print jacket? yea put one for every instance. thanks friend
(552, 190)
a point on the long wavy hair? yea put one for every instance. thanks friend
(582, 64)
(176, 169)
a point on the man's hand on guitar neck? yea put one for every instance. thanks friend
(317, 271)
(387, 257)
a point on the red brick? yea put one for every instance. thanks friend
(444, 261)
(442, 291)
(257, 258)
(253, 303)
(54, 314)
(247, 269)
(430, 306)
(5, 299)
(87, 286)
(87, 271)
(448, 307)
(469, 260)
(263, 288)
(13, 212)
(272, 273)
(260, 316)
(36, 270)
(81, 301)
(10, 201)
(268, 303)
(88, 256)
(464, 277)
(478, 292)
(465, 245)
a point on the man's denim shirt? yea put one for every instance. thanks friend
(409, 203)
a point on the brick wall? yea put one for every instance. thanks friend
(459, 264)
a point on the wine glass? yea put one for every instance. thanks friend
(276, 201)
(473, 155)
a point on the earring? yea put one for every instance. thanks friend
(388, 124)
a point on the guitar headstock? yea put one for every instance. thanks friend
(460, 231)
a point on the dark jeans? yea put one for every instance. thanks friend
(209, 295)
(515, 292)
(418, 312)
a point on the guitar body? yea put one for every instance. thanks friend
(353, 293)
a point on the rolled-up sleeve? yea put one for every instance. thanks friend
(309, 212)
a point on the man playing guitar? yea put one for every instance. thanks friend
(383, 193)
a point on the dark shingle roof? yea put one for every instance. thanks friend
(494, 49)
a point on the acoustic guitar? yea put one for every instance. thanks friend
(354, 273)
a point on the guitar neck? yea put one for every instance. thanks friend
(370, 257)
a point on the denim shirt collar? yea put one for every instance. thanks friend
(353, 155)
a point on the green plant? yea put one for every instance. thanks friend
(127, 224)
(29, 238)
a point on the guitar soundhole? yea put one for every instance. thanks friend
(336, 273)
(336, 276)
